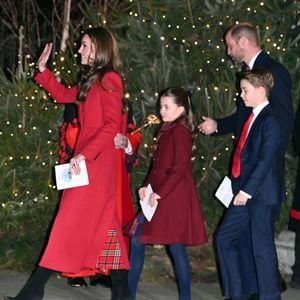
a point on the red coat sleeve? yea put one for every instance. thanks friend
(58, 91)
(135, 140)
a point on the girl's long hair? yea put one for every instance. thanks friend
(182, 98)
(107, 58)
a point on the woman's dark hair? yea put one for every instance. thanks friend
(107, 58)
(182, 98)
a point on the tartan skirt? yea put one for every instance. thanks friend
(110, 258)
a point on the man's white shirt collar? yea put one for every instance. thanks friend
(253, 59)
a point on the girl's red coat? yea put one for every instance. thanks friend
(178, 218)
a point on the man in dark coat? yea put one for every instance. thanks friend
(294, 222)
(243, 46)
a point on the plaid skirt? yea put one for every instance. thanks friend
(110, 258)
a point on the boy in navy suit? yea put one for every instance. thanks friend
(256, 177)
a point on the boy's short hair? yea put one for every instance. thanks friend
(259, 78)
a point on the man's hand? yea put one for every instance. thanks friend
(208, 126)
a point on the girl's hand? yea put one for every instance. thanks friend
(154, 199)
(74, 164)
(42, 61)
(142, 193)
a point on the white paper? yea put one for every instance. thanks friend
(148, 211)
(224, 191)
(65, 181)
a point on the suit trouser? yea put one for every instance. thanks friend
(296, 266)
(260, 219)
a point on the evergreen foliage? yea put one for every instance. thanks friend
(163, 43)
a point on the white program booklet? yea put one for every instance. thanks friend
(64, 180)
(224, 191)
(148, 211)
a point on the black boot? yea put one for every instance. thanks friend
(34, 287)
(119, 280)
(100, 279)
(77, 282)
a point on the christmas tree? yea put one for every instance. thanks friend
(163, 43)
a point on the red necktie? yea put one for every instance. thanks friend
(236, 164)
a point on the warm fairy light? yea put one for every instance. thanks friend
(170, 35)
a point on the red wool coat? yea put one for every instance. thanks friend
(125, 205)
(87, 213)
(178, 218)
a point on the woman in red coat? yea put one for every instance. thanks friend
(178, 221)
(86, 237)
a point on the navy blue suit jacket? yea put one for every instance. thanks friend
(261, 175)
(280, 100)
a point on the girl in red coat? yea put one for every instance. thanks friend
(86, 237)
(178, 221)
